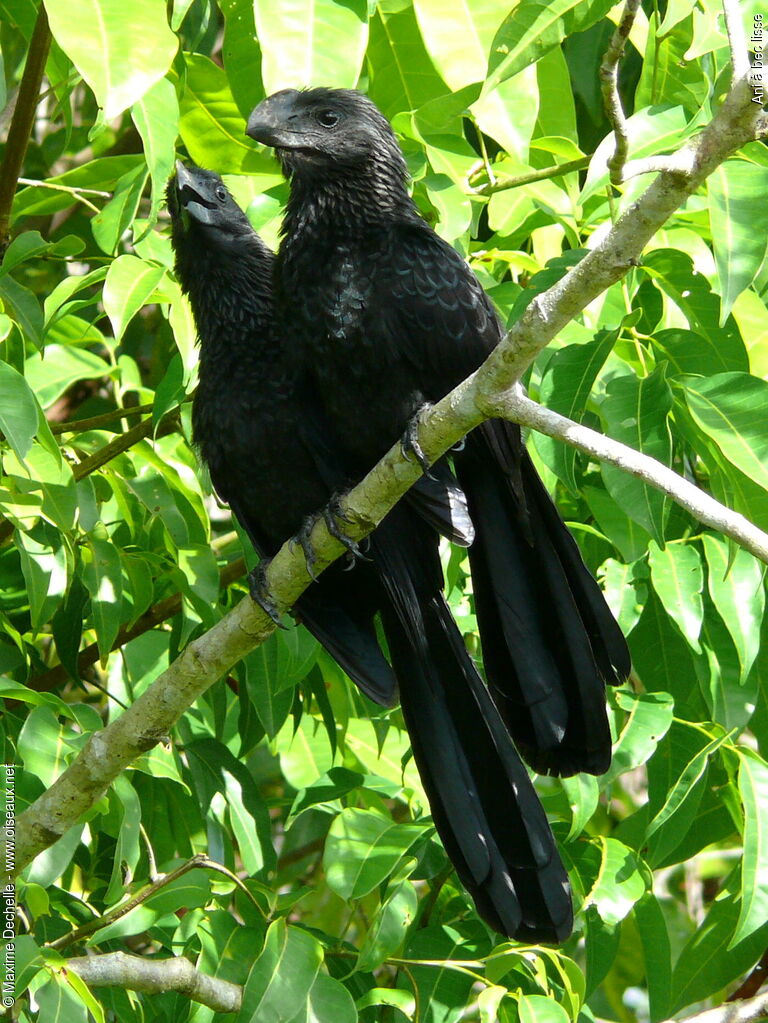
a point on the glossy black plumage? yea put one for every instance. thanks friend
(385, 316)
(271, 458)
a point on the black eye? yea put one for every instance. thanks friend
(221, 193)
(328, 118)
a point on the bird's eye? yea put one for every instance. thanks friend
(221, 193)
(328, 118)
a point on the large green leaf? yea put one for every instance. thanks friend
(388, 930)
(650, 715)
(363, 848)
(636, 411)
(678, 578)
(403, 76)
(156, 116)
(60, 367)
(534, 28)
(283, 975)
(311, 42)
(129, 285)
(738, 224)
(753, 786)
(18, 410)
(736, 588)
(565, 388)
(458, 36)
(729, 408)
(120, 49)
(103, 578)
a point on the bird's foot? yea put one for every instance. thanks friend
(460, 444)
(303, 538)
(333, 514)
(257, 587)
(410, 441)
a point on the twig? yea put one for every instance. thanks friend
(703, 507)
(732, 1012)
(122, 442)
(609, 84)
(96, 422)
(23, 121)
(155, 616)
(156, 976)
(519, 180)
(752, 984)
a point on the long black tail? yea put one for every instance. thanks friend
(482, 800)
(550, 643)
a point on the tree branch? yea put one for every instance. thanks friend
(703, 507)
(519, 180)
(23, 121)
(481, 396)
(748, 1011)
(156, 976)
(609, 85)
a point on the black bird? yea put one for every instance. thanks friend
(271, 458)
(386, 317)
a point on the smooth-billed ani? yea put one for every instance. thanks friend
(386, 316)
(271, 457)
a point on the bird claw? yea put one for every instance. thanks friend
(333, 512)
(303, 539)
(410, 446)
(257, 587)
(460, 444)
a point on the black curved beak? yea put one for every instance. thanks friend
(269, 121)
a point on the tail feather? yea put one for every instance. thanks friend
(549, 641)
(482, 800)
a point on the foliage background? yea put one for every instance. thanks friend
(283, 773)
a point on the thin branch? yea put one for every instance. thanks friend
(23, 121)
(703, 507)
(96, 422)
(122, 442)
(609, 85)
(156, 976)
(156, 615)
(481, 396)
(732, 1012)
(752, 984)
(519, 180)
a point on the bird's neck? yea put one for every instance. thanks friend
(339, 204)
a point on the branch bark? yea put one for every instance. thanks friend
(483, 395)
(154, 976)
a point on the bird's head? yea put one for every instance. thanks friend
(325, 130)
(200, 204)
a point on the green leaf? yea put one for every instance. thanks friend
(110, 223)
(61, 367)
(311, 42)
(403, 77)
(44, 564)
(736, 588)
(678, 578)
(618, 883)
(650, 716)
(130, 283)
(458, 36)
(689, 352)
(363, 848)
(156, 117)
(49, 475)
(18, 410)
(27, 245)
(706, 963)
(753, 787)
(387, 933)
(399, 999)
(328, 1001)
(58, 1002)
(635, 411)
(42, 745)
(534, 28)
(728, 408)
(280, 980)
(583, 795)
(23, 308)
(565, 387)
(654, 936)
(212, 127)
(540, 1009)
(739, 226)
(103, 578)
(120, 49)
